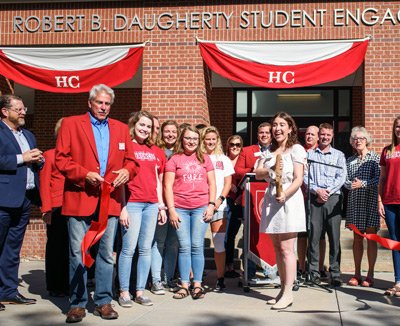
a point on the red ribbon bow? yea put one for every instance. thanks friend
(97, 228)
(387, 243)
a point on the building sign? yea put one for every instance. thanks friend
(207, 20)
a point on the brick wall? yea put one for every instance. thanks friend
(221, 112)
(175, 82)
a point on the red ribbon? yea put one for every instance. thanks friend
(97, 228)
(387, 243)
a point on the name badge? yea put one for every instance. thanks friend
(121, 146)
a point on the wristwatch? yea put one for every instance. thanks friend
(211, 203)
(222, 198)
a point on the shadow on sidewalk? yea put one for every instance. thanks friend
(36, 283)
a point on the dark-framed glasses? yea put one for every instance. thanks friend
(234, 145)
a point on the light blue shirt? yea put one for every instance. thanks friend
(101, 134)
(323, 176)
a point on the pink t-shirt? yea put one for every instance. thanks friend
(391, 188)
(143, 187)
(191, 185)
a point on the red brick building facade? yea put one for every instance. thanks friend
(175, 83)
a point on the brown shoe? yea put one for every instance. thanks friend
(75, 315)
(106, 311)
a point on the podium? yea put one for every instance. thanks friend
(257, 246)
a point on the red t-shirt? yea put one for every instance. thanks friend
(191, 185)
(143, 188)
(391, 188)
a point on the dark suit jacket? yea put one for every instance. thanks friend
(13, 176)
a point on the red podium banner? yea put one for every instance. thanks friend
(261, 250)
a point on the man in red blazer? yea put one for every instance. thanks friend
(245, 164)
(92, 149)
(247, 157)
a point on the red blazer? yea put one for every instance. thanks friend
(51, 183)
(246, 160)
(76, 155)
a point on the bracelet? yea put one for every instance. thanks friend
(211, 203)
(222, 198)
(162, 207)
(168, 208)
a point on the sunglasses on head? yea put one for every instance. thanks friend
(234, 145)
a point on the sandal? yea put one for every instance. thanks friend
(198, 294)
(354, 281)
(181, 293)
(368, 282)
(394, 291)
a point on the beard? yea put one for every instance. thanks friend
(18, 122)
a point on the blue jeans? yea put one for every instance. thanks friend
(77, 228)
(142, 225)
(191, 233)
(165, 247)
(392, 219)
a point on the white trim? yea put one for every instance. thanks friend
(68, 58)
(368, 37)
(284, 54)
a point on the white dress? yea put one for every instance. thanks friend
(290, 216)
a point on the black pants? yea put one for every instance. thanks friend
(234, 223)
(57, 254)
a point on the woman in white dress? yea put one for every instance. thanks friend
(283, 216)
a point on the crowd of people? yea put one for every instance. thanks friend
(154, 190)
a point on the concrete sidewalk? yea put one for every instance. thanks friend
(312, 306)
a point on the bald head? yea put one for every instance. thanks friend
(311, 137)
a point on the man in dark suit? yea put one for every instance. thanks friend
(20, 161)
(93, 149)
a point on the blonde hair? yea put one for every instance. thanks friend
(394, 137)
(57, 127)
(208, 130)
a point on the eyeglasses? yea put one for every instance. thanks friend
(19, 111)
(101, 102)
(234, 145)
(194, 139)
(359, 138)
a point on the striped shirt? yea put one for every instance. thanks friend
(323, 176)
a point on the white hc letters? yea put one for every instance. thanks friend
(277, 77)
(65, 81)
